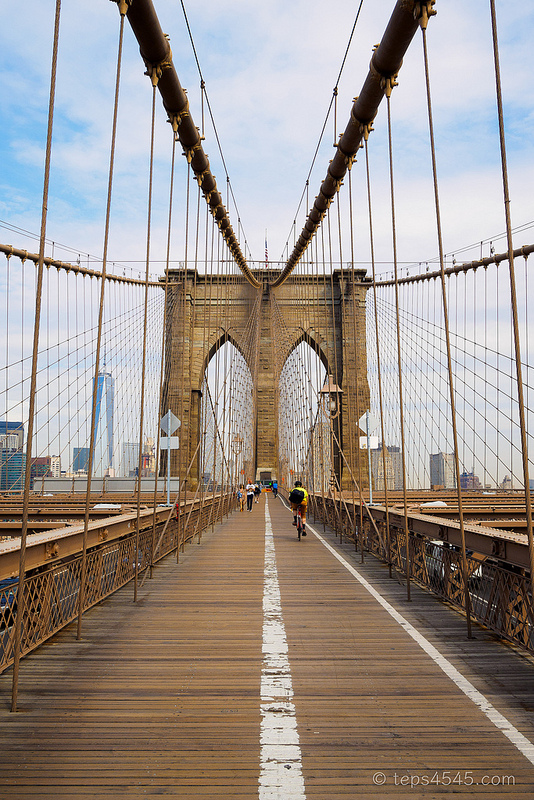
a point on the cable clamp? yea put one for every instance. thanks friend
(201, 175)
(123, 6)
(176, 118)
(423, 10)
(358, 123)
(189, 152)
(367, 129)
(155, 71)
(388, 84)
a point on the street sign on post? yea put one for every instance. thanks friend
(170, 442)
(373, 442)
(169, 423)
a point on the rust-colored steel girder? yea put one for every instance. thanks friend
(156, 53)
(385, 64)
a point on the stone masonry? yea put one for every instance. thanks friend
(204, 312)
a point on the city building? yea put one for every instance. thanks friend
(12, 459)
(442, 473)
(80, 459)
(130, 459)
(12, 469)
(11, 435)
(507, 485)
(395, 455)
(55, 466)
(40, 468)
(393, 459)
(105, 400)
(148, 461)
(470, 482)
(377, 470)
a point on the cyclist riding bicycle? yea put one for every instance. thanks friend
(298, 498)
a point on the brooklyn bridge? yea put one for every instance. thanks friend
(168, 378)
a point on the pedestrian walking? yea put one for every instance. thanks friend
(241, 497)
(250, 494)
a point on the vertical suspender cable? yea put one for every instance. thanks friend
(122, 8)
(378, 353)
(154, 78)
(513, 293)
(389, 86)
(185, 450)
(354, 427)
(163, 345)
(33, 380)
(447, 335)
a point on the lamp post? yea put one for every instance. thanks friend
(237, 447)
(331, 404)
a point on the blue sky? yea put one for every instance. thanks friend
(269, 69)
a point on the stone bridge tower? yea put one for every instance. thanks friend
(266, 325)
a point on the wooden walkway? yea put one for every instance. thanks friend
(167, 697)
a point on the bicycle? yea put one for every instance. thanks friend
(299, 523)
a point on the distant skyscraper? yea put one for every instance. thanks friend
(442, 470)
(130, 459)
(377, 470)
(395, 455)
(507, 484)
(105, 399)
(41, 468)
(12, 459)
(470, 482)
(12, 469)
(11, 435)
(55, 466)
(393, 468)
(80, 459)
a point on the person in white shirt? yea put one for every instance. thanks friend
(250, 494)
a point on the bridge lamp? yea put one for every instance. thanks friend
(237, 444)
(331, 403)
(237, 447)
(331, 397)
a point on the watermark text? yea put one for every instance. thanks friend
(443, 778)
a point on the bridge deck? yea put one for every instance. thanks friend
(165, 698)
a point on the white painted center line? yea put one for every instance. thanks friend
(280, 758)
(516, 737)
